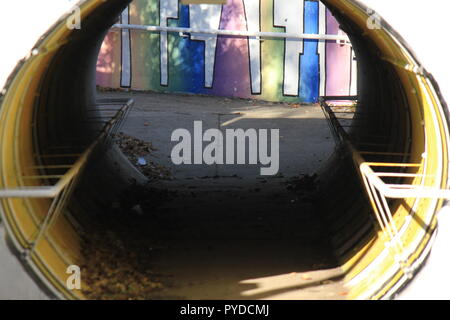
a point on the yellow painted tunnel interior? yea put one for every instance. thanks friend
(400, 117)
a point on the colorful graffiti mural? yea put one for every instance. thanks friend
(272, 69)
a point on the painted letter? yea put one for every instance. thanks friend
(206, 16)
(125, 71)
(252, 15)
(289, 14)
(168, 9)
(322, 48)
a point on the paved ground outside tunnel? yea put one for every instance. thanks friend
(305, 140)
(226, 232)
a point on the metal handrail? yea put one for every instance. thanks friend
(61, 191)
(393, 191)
(258, 35)
(108, 129)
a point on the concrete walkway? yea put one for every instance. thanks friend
(305, 140)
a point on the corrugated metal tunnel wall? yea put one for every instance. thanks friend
(48, 94)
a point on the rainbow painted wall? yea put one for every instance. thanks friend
(245, 67)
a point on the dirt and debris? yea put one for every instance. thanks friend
(148, 198)
(157, 242)
(119, 252)
(304, 182)
(114, 270)
(132, 146)
(305, 185)
(101, 89)
(137, 151)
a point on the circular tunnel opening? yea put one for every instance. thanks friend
(365, 237)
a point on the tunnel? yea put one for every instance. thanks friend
(381, 186)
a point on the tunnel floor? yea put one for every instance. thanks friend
(206, 232)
